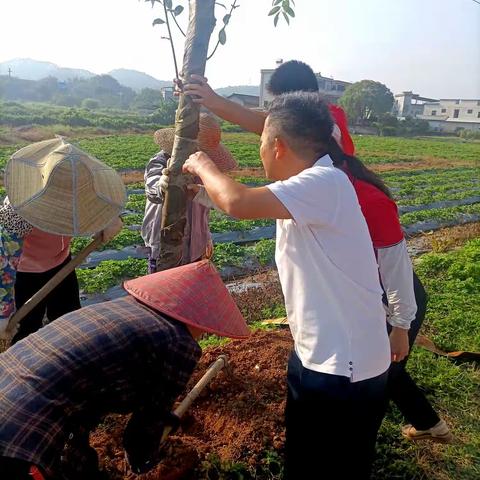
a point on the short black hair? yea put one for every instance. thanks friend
(304, 119)
(292, 76)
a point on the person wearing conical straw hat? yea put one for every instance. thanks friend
(133, 354)
(197, 238)
(54, 191)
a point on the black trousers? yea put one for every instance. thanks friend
(331, 424)
(63, 299)
(401, 388)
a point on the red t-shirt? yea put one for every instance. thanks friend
(341, 120)
(381, 214)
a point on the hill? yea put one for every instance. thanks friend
(137, 80)
(29, 69)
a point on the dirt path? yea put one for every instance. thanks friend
(445, 239)
(429, 163)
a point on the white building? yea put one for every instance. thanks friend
(167, 93)
(445, 115)
(331, 89)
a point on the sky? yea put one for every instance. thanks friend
(429, 46)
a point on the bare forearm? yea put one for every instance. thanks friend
(250, 120)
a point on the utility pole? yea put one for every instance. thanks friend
(9, 72)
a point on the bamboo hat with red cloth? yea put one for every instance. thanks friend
(209, 136)
(193, 294)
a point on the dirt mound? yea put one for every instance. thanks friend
(238, 418)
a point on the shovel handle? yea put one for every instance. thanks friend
(220, 363)
(210, 374)
(66, 270)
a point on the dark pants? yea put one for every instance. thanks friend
(331, 424)
(63, 299)
(401, 388)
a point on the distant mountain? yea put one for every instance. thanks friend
(29, 69)
(244, 89)
(137, 80)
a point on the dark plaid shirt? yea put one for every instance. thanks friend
(113, 357)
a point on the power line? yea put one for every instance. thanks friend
(476, 1)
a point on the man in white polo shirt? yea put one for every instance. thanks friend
(329, 276)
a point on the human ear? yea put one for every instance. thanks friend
(280, 148)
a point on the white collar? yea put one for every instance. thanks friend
(324, 161)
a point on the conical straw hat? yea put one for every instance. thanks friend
(209, 136)
(193, 294)
(60, 189)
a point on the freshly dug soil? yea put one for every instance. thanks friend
(238, 417)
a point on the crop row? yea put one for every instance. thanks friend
(110, 273)
(133, 151)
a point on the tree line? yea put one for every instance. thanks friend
(99, 91)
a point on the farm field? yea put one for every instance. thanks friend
(436, 183)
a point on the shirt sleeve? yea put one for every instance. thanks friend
(396, 274)
(11, 222)
(311, 197)
(10, 251)
(204, 199)
(153, 172)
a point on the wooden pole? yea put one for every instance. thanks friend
(200, 28)
(210, 374)
(30, 304)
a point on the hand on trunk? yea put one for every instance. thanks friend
(201, 92)
(197, 162)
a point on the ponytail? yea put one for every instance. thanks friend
(355, 167)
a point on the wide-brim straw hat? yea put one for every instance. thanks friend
(193, 294)
(60, 189)
(209, 136)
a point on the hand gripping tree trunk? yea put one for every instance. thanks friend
(200, 28)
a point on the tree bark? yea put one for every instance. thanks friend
(200, 28)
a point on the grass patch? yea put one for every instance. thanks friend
(110, 273)
(125, 238)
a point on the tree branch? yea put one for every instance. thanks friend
(218, 41)
(171, 40)
(176, 23)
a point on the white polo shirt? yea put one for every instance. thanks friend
(329, 275)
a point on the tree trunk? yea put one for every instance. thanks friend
(200, 28)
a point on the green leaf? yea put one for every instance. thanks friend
(289, 11)
(226, 19)
(158, 21)
(168, 4)
(222, 36)
(178, 10)
(286, 18)
(273, 11)
(276, 2)
(275, 20)
(285, 4)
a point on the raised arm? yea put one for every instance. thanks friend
(201, 92)
(232, 197)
